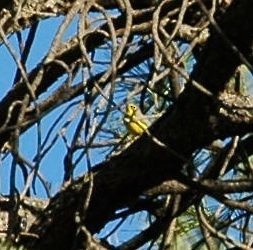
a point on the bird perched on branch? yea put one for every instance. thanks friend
(135, 121)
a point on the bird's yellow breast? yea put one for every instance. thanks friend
(135, 124)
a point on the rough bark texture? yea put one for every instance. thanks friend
(128, 175)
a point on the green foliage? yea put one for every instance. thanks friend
(240, 82)
(187, 222)
(8, 245)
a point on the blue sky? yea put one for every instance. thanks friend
(50, 167)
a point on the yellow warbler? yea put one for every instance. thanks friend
(134, 120)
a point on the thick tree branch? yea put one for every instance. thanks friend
(192, 123)
(124, 177)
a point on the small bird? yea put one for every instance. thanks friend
(134, 120)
